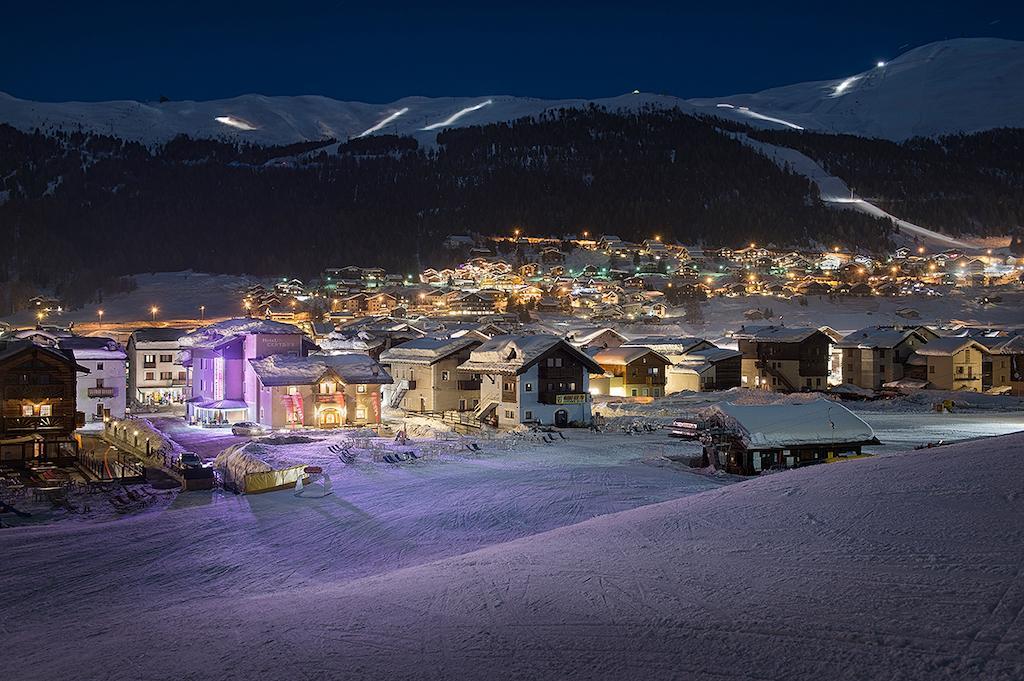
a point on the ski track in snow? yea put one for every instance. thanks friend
(905, 566)
(835, 192)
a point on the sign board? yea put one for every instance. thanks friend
(573, 398)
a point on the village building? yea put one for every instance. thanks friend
(539, 379)
(156, 375)
(629, 372)
(1002, 369)
(951, 363)
(709, 368)
(427, 375)
(39, 413)
(783, 359)
(750, 439)
(876, 355)
(222, 387)
(321, 391)
(102, 393)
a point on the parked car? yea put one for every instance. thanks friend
(248, 428)
(191, 460)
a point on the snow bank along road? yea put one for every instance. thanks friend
(906, 566)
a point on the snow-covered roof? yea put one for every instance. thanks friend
(677, 345)
(876, 337)
(214, 334)
(1012, 345)
(624, 355)
(427, 350)
(585, 336)
(710, 355)
(511, 355)
(777, 426)
(948, 345)
(276, 370)
(775, 334)
(93, 348)
(13, 347)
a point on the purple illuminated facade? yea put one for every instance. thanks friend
(222, 386)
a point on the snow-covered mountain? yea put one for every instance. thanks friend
(962, 85)
(956, 85)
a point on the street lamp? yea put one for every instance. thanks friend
(202, 312)
(153, 310)
(99, 313)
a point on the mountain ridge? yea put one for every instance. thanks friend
(960, 85)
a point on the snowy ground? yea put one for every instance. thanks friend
(176, 295)
(904, 566)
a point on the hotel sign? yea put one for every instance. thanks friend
(572, 398)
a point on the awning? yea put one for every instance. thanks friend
(225, 405)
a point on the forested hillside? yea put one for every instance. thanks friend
(78, 209)
(961, 184)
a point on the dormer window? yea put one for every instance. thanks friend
(328, 387)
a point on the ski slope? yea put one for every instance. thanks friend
(961, 85)
(835, 192)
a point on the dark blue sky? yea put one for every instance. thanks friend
(114, 50)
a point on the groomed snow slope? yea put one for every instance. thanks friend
(905, 566)
(961, 85)
(950, 86)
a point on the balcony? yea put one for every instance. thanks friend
(562, 398)
(36, 423)
(410, 385)
(509, 396)
(99, 392)
(468, 385)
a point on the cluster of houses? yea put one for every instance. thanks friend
(614, 280)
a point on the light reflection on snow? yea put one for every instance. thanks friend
(844, 86)
(386, 121)
(235, 122)
(457, 115)
(759, 116)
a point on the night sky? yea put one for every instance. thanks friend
(360, 51)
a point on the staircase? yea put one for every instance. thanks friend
(763, 363)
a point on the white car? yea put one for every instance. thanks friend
(248, 429)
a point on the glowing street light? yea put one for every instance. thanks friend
(99, 313)
(202, 312)
(153, 310)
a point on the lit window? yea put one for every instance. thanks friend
(360, 388)
(360, 413)
(27, 410)
(45, 410)
(292, 390)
